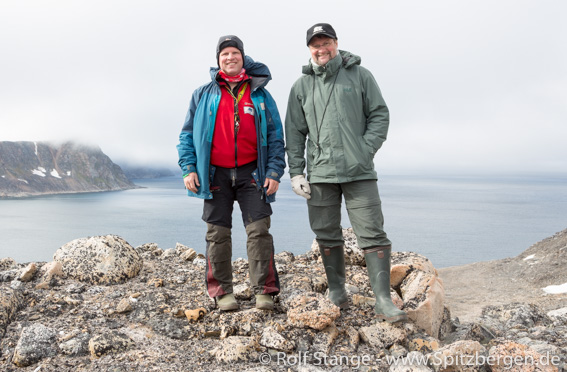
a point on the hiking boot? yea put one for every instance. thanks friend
(264, 302)
(227, 302)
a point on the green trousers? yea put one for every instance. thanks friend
(364, 211)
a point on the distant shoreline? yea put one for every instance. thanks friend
(38, 195)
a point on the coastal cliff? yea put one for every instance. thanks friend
(40, 168)
(103, 305)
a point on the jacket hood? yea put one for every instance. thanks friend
(259, 72)
(348, 60)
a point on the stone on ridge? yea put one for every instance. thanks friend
(102, 260)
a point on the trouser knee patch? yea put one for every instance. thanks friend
(219, 243)
(260, 244)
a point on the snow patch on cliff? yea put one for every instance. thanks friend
(40, 171)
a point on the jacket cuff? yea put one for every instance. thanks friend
(273, 175)
(291, 175)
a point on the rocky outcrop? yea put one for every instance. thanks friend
(415, 282)
(10, 302)
(162, 319)
(36, 342)
(39, 168)
(99, 260)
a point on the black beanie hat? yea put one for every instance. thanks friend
(229, 41)
(321, 29)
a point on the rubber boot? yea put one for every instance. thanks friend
(378, 265)
(334, 263)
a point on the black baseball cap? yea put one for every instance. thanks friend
(321, 29)
(229, 41)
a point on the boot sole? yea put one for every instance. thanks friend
(229, 307)
(265, 306)
(392, 319)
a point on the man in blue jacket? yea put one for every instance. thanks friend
(231, 148)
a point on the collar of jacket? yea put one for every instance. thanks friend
(258, 72)
(347, 59)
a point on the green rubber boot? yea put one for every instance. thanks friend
(334, 263)
(378, 265)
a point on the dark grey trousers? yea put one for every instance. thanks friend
(229, 185)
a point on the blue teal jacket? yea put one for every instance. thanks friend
(196, 137)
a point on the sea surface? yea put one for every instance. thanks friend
(451, 220)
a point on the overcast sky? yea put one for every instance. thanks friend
(472, 86)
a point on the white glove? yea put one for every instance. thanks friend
(300, 186)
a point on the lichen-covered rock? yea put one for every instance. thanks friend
(499, 318)
(323, 341)
(473, 331)
(242, 291)
(51, 270)
(460, 356)
(353, 254)
(382, 335)
(244, 321)
(298, 283)
(10, 302)
(424, 297)
(112, 342)
(353, 337)
(76, 346)
(169, 326)
(103, 260)
(36, 342)
(422, 343)
(284, 258)
(403, 263)
(447, 326)
(28, 272)
(513, 357)
(7, 263)
(311, 310)
(188, 255)
(274, 340)
(124, 306)
(234, 349)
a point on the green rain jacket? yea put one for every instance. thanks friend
(343, 130)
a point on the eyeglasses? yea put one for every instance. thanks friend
(325, 45)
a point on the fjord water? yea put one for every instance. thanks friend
(451, 220)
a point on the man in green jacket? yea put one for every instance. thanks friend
(337, 109)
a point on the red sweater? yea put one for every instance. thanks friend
(232, 148)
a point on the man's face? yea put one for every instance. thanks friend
(230, 61)
(323, 49)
